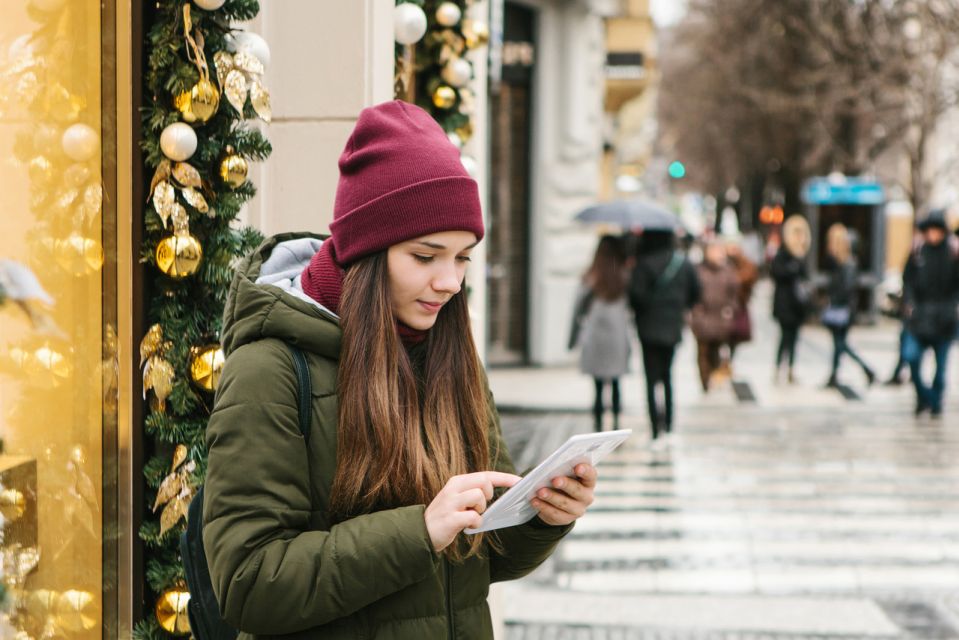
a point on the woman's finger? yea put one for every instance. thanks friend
(574, 489)
(587, 474)
(562, 502)
(474, 499)
(550, 514)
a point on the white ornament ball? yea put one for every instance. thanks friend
(178, 141)
(448, 14)
(252, 42)
(472, 167)
(80, 142)
(209, 5)
(409, 23)
(457, 72)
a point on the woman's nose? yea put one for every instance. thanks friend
(448, 279)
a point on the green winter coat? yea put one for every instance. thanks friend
(278, 567)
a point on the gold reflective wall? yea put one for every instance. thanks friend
(58, 368)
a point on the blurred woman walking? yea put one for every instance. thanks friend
(839, 315)
(601, 325)
(792, 293)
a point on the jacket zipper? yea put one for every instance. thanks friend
(451, 627)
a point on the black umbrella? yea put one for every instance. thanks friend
(630, 214)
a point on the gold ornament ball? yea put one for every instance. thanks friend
(477, 34)
(41, 603)
(444, 97)
(13, 504)
(233, 170)
(206, 365)
(178, 256)
(200, 103)
(78, 255)
(77, 611)
(171, 611)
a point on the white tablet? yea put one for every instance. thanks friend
(513, 507)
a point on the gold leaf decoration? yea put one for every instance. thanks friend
(162, 173)
(187, 175)
(164, 197)
(246, 61)
(223, 62)
(195, 199)
(236, 89)
(181, 220)
(179, 456)
(158, 376)
(172, 513)
(168, 490)
(260, 98)
(151, 343)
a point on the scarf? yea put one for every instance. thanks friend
(322, 280)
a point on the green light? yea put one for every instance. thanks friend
(677, 170)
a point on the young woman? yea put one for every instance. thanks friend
(603, 324)
(712, 317)
(840, 313)
(358, 532)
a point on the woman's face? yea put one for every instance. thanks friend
(425, 273)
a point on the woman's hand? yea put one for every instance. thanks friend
(460, 504)
(569, 498)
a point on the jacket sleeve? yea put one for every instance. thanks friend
(270, 572)
(516, 551)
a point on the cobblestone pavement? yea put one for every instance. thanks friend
(806, 513)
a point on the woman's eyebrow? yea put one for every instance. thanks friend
(440, 247)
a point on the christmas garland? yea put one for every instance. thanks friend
(203, 79)
(432, 40)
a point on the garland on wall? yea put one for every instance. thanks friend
(204, 79)
(433, 38)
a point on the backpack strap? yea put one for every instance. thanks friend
(304, 389)
(675, 262)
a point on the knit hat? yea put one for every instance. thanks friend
(935, 218)
(400, 178)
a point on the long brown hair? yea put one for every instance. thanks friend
(399, 439)
(606, 276)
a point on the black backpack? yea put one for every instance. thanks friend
(204, 612)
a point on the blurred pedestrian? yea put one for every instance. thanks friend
(747, 273)
(895, 378)
(792, 295)
(842, 291)
(713, 315)
(601, 325)
(930, 294)
(662, 289)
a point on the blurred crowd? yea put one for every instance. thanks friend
(653, 285)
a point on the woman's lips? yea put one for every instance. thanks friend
(431, 307)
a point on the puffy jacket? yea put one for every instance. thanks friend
(279, 568)
(660, 306)
(790, 275)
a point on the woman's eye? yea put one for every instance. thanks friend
(423, 259)
(464, 258)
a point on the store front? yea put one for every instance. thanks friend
(66, 307)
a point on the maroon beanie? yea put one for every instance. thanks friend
(400, 178)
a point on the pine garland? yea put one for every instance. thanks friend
(189, 310)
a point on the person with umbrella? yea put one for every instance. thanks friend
(663, 288)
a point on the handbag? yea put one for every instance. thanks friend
(742, 330)
(836, 316)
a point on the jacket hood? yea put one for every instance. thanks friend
(267, 301)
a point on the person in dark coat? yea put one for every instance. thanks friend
(930, 295)
(791, 295)
(839, 315)
(662, 289)
(713, 316)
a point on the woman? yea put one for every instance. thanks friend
(602, 319)
(841, 290)
(791, 294)
(662, 289)
(747, 274)
(713, 315)
(359, 532)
